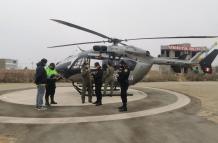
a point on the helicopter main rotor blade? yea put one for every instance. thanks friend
(123, 44)
(77, 44)
(81, 28)
(175, 37)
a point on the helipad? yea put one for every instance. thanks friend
(75, 112)
(65, 96)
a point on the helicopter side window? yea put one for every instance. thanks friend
(78, 63)
(93, 61)
(147, 54)
(131, 64)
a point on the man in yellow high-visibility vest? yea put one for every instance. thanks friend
(52, 75)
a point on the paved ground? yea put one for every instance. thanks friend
(183, 125)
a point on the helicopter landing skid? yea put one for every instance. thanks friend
(78, 88)
(116, 90)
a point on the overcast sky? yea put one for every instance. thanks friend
(26, 31)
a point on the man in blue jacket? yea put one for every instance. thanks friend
(40, 81)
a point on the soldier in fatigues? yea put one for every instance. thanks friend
(98, 83)
(123, 75)
(86, 82)
(109, 79)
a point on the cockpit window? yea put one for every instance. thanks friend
(68, 60)
(78, 63)
(147, 54)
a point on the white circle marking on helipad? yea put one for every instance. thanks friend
(65, 96)
(182, 100)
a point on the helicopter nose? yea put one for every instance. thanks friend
(62, 67)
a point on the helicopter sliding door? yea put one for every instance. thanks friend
(104, 58)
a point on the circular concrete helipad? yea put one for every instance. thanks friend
(159, 101)
(65, 96)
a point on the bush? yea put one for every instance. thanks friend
(156, 76)
(16, 76)
(201, 77)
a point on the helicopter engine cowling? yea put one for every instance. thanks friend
(100, 48)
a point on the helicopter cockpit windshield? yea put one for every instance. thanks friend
(65, 64)
(77, 64)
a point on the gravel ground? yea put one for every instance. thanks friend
(207, 92)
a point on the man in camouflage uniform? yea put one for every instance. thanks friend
(109, 79)
(86, 82)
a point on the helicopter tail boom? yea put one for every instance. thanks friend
(204, 59)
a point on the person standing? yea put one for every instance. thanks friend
(123, 76)
(86, 83)
(40, 81)
(109, 79)
(52, 76)
(98, 83)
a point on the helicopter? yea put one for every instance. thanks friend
(139, 60)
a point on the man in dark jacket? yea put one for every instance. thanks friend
(98, 83)
(124, 84)
(40, 81)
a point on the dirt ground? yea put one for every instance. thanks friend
(4, 139)
(207, 92)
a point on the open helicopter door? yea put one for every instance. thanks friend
(93, 61)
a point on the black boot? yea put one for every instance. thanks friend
(120, 107)
(95, 102)
(98, 104)
(83, 99)
(123, 109)
(47, 100)
(52, 100)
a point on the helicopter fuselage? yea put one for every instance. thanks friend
(138, 60)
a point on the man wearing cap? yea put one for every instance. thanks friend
(98, 83)
(40, 81)
(123, 76)
(52, 76)
(86, 82)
